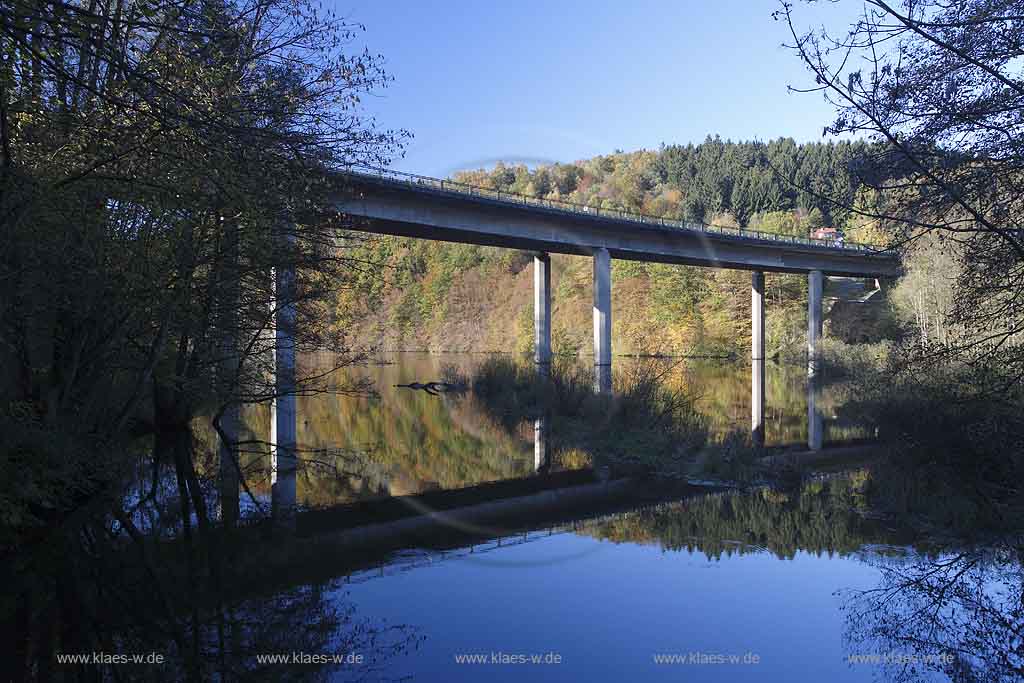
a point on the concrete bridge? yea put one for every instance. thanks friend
(428, 208)
(391, 203)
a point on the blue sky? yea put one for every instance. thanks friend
(558, 81)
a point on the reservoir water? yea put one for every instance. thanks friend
(803, 582)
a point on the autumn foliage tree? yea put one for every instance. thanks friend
(938, 86)
(157, 160)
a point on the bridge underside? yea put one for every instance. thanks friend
(699, 252)
(478, 220)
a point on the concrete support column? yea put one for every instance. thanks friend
(541, 351)
(603, 320)
(815, 423)
(757, 358)
(757, 315)
(814, 319)
(542, 312)
(282, 419)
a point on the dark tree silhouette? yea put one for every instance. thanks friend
(940, 86)
(958, 613)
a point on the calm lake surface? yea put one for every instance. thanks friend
(401, 441)
(762, 585)
(608, 607)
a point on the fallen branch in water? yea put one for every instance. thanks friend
(433, 388)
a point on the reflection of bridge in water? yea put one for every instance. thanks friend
(426, 558)
(420, 558)
(399, 204)
(358, 550)
(382, 537)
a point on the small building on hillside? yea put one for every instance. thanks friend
(831, 234)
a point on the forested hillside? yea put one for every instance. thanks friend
(453, 297)
(738, 183)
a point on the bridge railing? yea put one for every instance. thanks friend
(455, 187)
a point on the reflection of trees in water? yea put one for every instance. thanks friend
(416, 440)
(818, 516)
(310, 620)
(965, 604)
(723, 393)
(959, 614)
(404, 441)
(420, 440)
(97, 584)
(226, 643)
(355, 446)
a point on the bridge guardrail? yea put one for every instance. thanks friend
(455, 187)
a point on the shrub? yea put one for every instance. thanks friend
(955, 428)
(643, 423)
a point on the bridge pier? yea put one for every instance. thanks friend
(283, 456)
(815, 422)
(542, 313)
(602, 320)
(757, 358)
(814, 319)
(541, 350)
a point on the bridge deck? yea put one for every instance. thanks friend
(429, 208)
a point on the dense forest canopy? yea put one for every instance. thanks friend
(712, 181)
